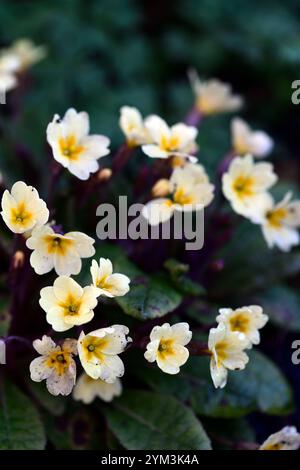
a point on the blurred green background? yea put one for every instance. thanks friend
(104, 54)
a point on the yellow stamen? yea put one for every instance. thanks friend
(93, 347)
(169, 144)
(70, 148)
(20, 215)
(181, 197)
(243, 186)
(239, 322)
(165, 348)
(59, 360)
(56, 244)
(276, 216)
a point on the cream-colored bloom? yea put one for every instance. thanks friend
(87, 389)
(55, 365)
(246, 320)
(227, 352)
(167, 346)
(161, 188)
(280, 222)
(213, 96)
(98, 352)
(245, 141)
(73, 147)
(169, 141)
(106, 282)
(245, 185)
(189, 189)
(132, 124)
(9, 65)
(67, 303)
(27, 52)
(61, 252)
(286, 439)
(22, 208)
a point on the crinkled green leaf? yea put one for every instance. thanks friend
(146, 420)
(20, 424)
(260, 387)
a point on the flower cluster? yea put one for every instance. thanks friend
(156, 138)
(247, 185)
(237, 330)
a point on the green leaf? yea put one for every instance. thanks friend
(146, 420)
(20, 424)
(282, 305)
(260, 387)
(149, 297)
(250, 264)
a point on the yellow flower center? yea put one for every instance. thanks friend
(239, 322)
(181, 197)
(165, 348)
(71, 305)
(221, 350)
(93, 347)
(20, 215)
(169, 144)
(276, 217)
(243, 186)
(59, 360)
(58, 244)
(70, 148)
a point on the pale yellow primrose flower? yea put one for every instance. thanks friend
(169, 141)
(61, 252)
(72, 147)
(22, 208)
(227, 350)
(55, 365)
(189, 187)
(286, 439)
(132, 124)
(27, 52)
(106, 282)
(245, 185)
(280, 222)
(98, 352)
(246, 320)
(213, 96)
(87, 389)
(9, 65)
(67, 303)
(167, 346)
(245, 141)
